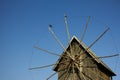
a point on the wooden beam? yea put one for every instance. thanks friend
(41, 67)
(94, 42)
(44, 50)
(50, 29)
(51, 75)
(83, 34)
(66, 25)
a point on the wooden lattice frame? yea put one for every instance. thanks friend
(73, 63)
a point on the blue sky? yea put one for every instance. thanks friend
(24, 23)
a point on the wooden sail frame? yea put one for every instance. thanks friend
(75, 65)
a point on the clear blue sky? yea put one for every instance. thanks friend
(25, 22)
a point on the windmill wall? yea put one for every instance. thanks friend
(89, 69)
(93, 71)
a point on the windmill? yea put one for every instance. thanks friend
(78, 62)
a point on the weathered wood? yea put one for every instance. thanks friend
(84, 68)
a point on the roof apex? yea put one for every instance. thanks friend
(74, 37)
